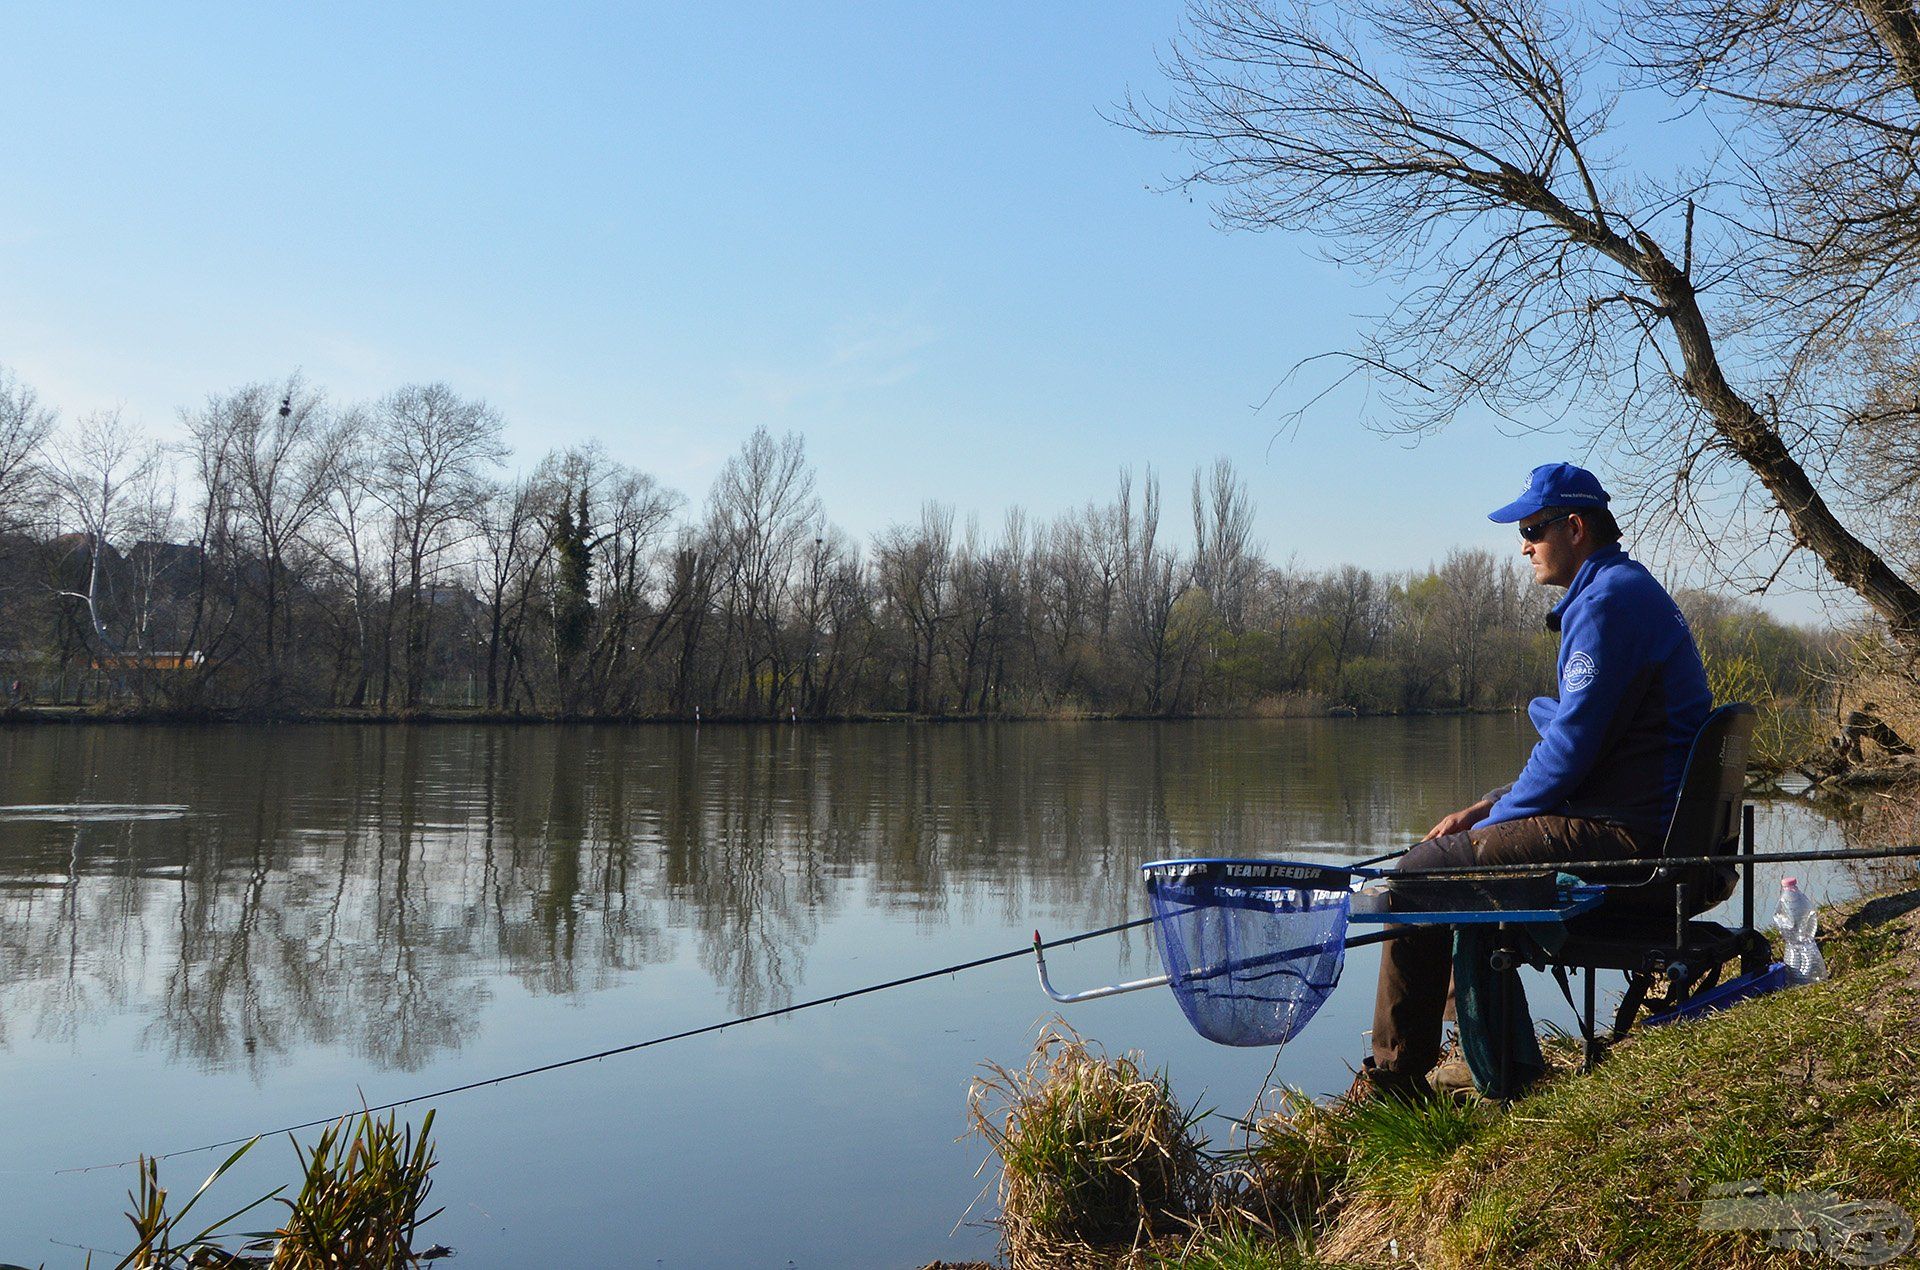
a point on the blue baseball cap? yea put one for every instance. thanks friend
(1553, 485)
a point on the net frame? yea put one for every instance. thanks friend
(1252, 948)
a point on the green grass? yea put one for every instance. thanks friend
(1244, 1248)
(159, 1227)
(363, 1185)
(1395, 1147)
(360, 1199)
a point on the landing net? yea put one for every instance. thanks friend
(1252, 948)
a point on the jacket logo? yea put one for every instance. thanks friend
(1579, 672)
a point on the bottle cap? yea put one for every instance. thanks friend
(1794, 882)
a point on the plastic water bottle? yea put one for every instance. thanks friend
(1798, 922)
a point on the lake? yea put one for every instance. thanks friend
(211, 932)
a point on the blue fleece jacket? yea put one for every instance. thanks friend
(1632, 695)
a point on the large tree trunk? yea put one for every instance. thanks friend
(1897, 27)
(1747, 432)
(1758, 444)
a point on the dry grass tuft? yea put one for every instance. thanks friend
(1293, 1165)
(1099, 1166)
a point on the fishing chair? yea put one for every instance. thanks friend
(1651, 928)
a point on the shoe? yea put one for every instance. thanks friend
(1453, 1079)
(1373, 1081)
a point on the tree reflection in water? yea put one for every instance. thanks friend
(364, 887)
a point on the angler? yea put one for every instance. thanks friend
(1603, 779)
(1636, 782)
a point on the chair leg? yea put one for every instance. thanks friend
(1590, 1044)
(1638, 983)
(1502, 962)
(1592, 1049)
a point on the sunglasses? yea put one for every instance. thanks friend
(1538, 529)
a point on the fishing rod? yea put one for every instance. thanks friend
(1383, 857)
(795, 1008)
(1641, 863)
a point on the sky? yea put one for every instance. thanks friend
(910, 233)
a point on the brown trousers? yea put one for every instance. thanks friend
(1416, 969)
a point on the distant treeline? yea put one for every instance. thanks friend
(291, 555)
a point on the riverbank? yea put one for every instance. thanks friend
(1781, 1133)
(1810, 1091)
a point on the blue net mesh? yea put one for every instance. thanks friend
(1253, 948)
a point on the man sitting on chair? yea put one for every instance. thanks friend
(1603, 779)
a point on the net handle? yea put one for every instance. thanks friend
(1161, 981)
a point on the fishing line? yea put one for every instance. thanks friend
(956, 968)
(1022, 952)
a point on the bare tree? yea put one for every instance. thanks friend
(1468, 605)
(513, 545)
(1345, 607)
(1464, 147)
(97, 478)
(354, 536)
(1004, 581)
(432, 449)
(1825, 94)
(151, 562)
(1224, 554)
(25, 426)
(1152, 578)
(1064, 595)
(981, 611)
(378, 537)
(822, 573)
(915, 568)
(761, 514)
(638, 599)
(281, 452)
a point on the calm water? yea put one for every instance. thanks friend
(205, 933)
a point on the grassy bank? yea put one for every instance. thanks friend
(1812, 1096)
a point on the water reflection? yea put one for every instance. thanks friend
(364, 887)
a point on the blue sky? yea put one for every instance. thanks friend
(903, 231)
